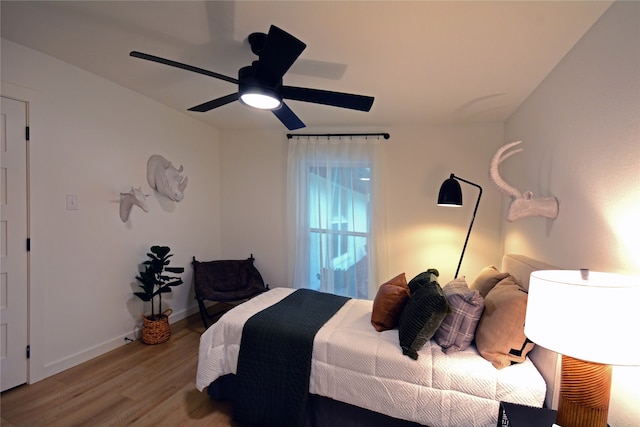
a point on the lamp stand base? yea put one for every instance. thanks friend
(585, 389)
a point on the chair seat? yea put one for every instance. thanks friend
(225, 281)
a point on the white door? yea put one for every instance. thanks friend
(13, 247)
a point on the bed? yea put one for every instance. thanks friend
(360, 377)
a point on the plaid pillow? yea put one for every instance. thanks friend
(459, 327)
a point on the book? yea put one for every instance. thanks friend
(514, 415)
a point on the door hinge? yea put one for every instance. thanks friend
(28, 244)
(28, 352)
(27, 133)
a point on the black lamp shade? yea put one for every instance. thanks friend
(450, 193)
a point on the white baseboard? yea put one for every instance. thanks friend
(100, 349)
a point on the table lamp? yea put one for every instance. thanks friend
(592, 320)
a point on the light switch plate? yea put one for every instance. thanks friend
(72, 202)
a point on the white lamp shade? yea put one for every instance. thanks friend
(597, 319)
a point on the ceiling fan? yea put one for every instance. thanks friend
(260, 84)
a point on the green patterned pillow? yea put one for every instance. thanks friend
(423, 314)
(422, 279)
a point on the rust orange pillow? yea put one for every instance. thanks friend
(389, 302)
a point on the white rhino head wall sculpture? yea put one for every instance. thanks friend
(164, 178)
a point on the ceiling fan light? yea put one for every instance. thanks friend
(260, 100)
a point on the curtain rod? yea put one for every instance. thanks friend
(329, 135)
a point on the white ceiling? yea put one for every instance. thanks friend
(423, 61)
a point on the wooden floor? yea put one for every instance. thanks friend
(136, 384)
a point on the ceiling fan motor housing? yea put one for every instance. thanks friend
(249, 83)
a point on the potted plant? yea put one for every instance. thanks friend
(155, 282)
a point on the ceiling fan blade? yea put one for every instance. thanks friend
(215, 103)
(176, 64)
(279, 52)
(288, 117)
(336, 99)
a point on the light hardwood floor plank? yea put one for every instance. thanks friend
(133, 385)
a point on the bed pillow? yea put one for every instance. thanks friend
(486, 280)
(459, 327)
(424, 278)
(389, 302)
(500, 334)
(422, 315)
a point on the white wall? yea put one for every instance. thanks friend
(92, 138)
(253, 197)
(422, 234)
(581, 133)
(416, 161)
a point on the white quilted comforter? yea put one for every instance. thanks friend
(354, 363)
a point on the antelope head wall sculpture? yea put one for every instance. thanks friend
(128, 200)
(522, 204)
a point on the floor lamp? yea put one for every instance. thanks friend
(451, 195)
(591, 319)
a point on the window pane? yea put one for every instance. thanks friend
(339, 229)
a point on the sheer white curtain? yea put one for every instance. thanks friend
(335, 214)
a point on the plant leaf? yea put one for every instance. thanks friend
(175, 283)
(143, 296)
(160, 251)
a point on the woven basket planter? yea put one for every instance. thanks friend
(156, 331)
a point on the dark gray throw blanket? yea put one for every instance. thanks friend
(274, 362)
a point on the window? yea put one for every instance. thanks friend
(331, 189)
(339, 229)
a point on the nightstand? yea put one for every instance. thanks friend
(514, 415)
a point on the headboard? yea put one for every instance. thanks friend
(547, 361)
